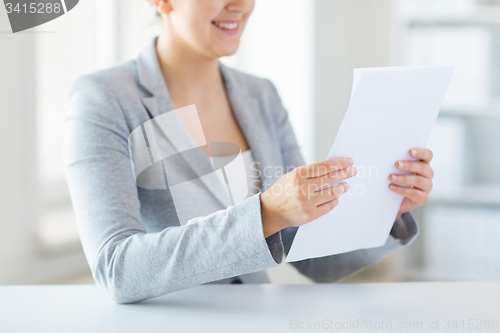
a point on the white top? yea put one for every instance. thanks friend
(242, 174)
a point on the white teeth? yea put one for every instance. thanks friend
(226, 25)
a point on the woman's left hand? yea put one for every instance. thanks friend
(419, 183)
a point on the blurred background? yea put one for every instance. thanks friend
(308, 48)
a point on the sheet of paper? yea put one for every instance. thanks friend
(391, 111)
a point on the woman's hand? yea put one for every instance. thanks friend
(299, 197)
(420, 182)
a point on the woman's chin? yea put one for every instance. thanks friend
(226, 51)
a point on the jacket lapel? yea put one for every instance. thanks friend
(245, 108)
(151, 77)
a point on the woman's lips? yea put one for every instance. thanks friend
(229, 27)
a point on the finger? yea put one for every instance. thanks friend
(417, 167)
(324, 167)
(417, 181)
(317, 183)
(329, 194)
(325, 207)
(422, 154)
(408, 192)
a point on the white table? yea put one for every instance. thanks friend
(256, 308)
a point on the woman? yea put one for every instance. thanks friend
(132, 236)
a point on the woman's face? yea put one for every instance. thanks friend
(210, 27)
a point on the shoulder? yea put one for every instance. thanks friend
(115, 79)
(112, 88)
(101, 87)
(98, 97)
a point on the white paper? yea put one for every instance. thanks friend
(391, 111)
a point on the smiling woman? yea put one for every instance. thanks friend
(132, 236)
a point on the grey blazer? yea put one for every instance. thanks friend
(131, 236)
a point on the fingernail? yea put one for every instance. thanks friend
(414, 152)
(393, 187)
(401, 164)
(347, 186)
(394, 177)
(351, 161)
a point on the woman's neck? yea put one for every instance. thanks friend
(188, 74)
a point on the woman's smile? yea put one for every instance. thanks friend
(228, 26)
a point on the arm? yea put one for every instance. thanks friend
(331, 268)
(131, 264)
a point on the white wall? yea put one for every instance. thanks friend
(349, 34)
(18, 140)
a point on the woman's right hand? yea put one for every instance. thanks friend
(300, 196)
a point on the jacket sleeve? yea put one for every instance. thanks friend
(129, 263)
(332, 268)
